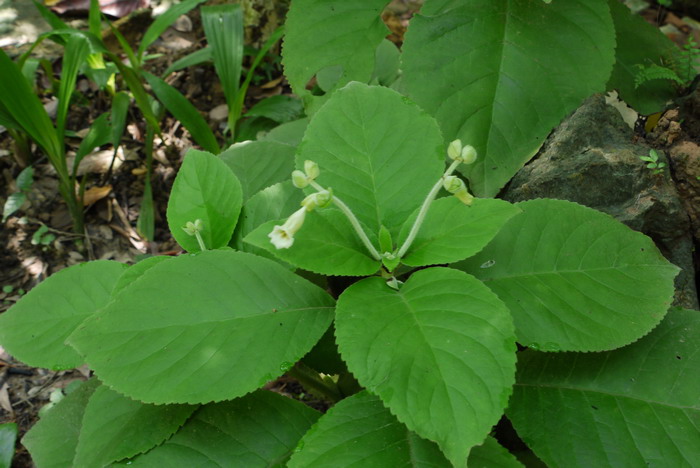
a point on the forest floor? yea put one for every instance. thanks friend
(37, 241)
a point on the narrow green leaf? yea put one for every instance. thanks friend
(115, 427)
(145, 225)
(453, 231)
(34, 329)
(259, 164)
(223, 27)
(640, 43)
(163, 22)
(341, 34)
(183, 338)
(575, 279)
(8, 436)
(25, 108)
(206, 189)
(74, 56)
(440, 353)
(326, 244)
(360, 432)
(95, 18)
(100, 133)
(6, 119)
(137, 90)
(259, 430)
(120, 107)
(185, 112)
(52, 441)
(379, 152)
(195, 58)
(635, 406)
(50, 17)
(508, 72)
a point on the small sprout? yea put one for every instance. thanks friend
(7, 289)
(653, 163)
(282, 237)
(299, 179)
(311, 169)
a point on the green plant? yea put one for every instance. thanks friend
(681, 67)
(653, 163)
(14, 202)
(8, 434)
(416, 345)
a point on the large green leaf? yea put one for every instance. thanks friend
(380, 153)
(575, 279)
(258, 430)
(184, 111)
(491, 454)
(115, 427)
(135, 271)
(259, 164)
(640, 43)
(360, 432)
(636, 406)
(452, 231)
(440, 353)
(34, 329)
(325, 244)
(8, 436)
(342, 36)
(198, 328)
(206, 189)
(53, 440)
(500, 75)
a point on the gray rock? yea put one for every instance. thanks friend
(592, 158)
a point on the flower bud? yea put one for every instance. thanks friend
(454, 149)
(317, 200)
(468, 155)
(311, 169)
(191, 228)
(453, 184)
(299, 179)
(456, 186)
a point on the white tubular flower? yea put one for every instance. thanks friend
(454, 149)
(311, 169)
(299, 179)
(282, 237)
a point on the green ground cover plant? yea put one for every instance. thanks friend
(361, 251)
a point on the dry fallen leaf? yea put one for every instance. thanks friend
(94, 194)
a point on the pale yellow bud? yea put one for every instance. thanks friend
(311, 169)
(299, 179)
(468, 155)
(454, 149)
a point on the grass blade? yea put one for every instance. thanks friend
(223, 27)
(163, 22)
(76, 51)
(195, 58)
(185, 112)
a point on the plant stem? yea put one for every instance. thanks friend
(353, 220)
(424, 209)
(200, 241)
(311, 380)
